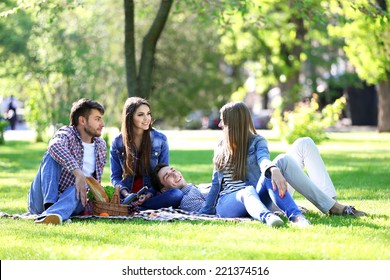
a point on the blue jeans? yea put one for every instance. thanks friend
(44, 189)
(268, 196)
(171, 198)
(256, 203)
(241, 203)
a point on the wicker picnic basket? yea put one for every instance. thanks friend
(113, 207)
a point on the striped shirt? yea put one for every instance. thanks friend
(193, 198)
(228, 184)
(67, 149)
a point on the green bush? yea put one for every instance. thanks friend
(306, 120)
(3, 125)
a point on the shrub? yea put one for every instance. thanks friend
(306, 120)
(3, 125)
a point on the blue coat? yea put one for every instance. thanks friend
(159, 154)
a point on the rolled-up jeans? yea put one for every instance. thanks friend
(44, 189)
(242, 203)
(249, 201)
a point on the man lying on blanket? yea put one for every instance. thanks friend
(165, 177)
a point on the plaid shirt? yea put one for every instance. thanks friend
(67, 149)
(193, 198)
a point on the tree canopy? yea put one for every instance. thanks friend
(185, 55)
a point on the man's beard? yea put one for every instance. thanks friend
(91, 133)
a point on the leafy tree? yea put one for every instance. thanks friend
(190, 75)
(282, 44)
(283, 39)
(365, 25)
(15, 33)
(74, 50)
(140, 79)
(71, 56)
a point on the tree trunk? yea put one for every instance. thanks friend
(291, 88)
(384, 105)
(131, 65)
(140, 84)
(149, 48)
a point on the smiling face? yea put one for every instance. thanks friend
(171, 178)
(142, 118)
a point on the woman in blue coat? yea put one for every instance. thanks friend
(135, 152)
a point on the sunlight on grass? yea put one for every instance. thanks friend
(358, 163)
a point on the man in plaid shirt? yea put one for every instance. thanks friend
(75, 152)
(166, 177)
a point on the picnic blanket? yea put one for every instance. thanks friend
(163, 214)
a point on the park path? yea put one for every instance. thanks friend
(177, 139)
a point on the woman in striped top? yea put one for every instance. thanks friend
(245, 180)
(238, 161)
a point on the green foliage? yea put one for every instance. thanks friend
(68, 49)
(366, 30)
(72, 51)
(306, 120)
(189, 75)
(39, 115)
(278, 41)
(3, 125)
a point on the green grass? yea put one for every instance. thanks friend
(359, 164)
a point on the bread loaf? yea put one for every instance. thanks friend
(97, 190)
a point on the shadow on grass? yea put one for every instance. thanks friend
(344, 221)
(315, 218)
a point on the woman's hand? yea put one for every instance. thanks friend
(143, 197)
(278, 181)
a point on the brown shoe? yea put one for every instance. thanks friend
(53, 219)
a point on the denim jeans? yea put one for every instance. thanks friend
(268, 196)
(241, 203)
(171, 198)
(44, 189)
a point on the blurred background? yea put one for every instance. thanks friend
(320, 62)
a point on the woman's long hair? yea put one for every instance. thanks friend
(144, 153)
(233, 149)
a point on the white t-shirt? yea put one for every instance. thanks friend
(89, 160)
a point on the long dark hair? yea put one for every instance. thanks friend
(144, 154)
(233, 149)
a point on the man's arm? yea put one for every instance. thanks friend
(81, 191)
(59, 150)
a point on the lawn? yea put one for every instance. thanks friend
(359, 164)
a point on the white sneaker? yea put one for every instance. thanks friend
(273, 221)
(301, 222)
(53, 219)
